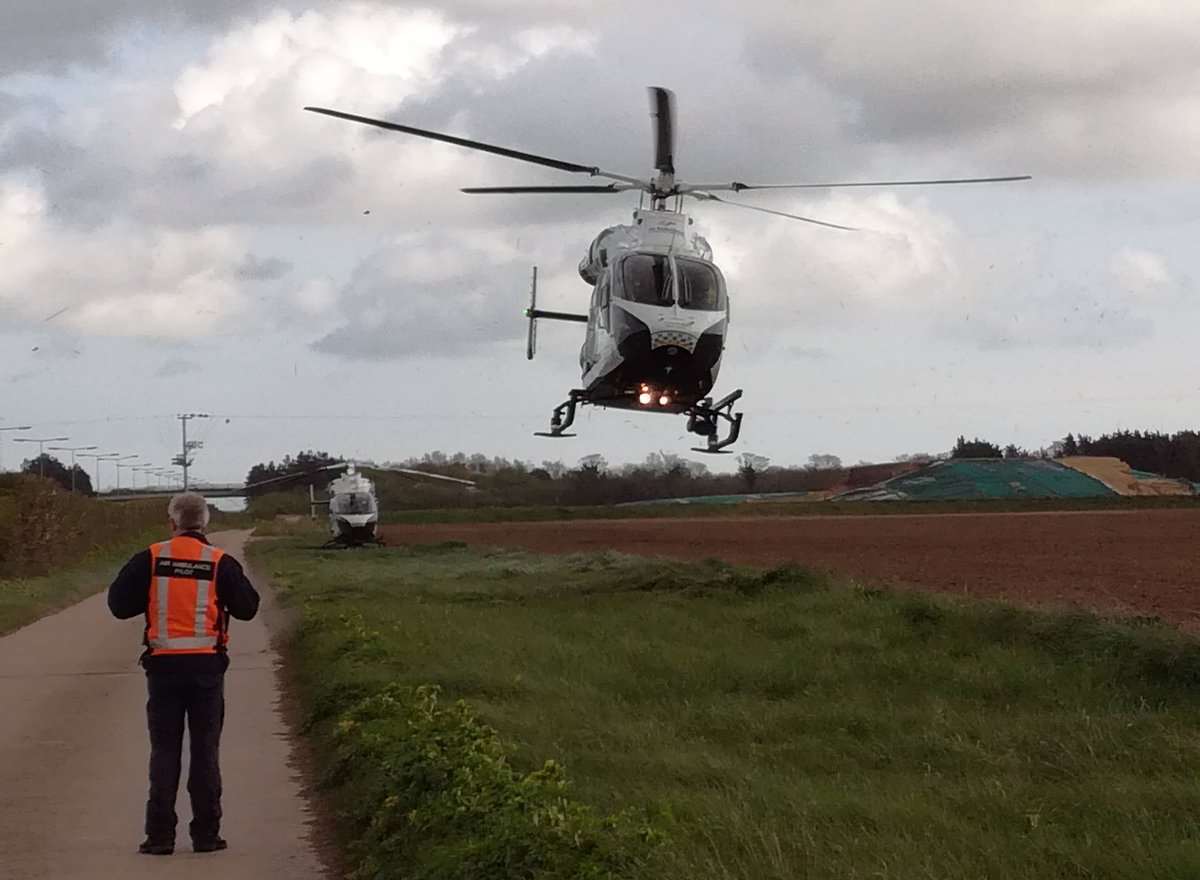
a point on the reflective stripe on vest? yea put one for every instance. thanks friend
(186, 619)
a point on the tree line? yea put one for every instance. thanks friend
(593, 480)
(1171, 455)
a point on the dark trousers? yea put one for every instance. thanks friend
(198, 699)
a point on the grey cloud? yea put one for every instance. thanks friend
(595, 111)
(1062, 316)
(389, 312)
(254, 268)
(184, 168)
(52, 36)
(1059, 88)
(9, 104)
(589, 109)
(809, 352)
(174, 367)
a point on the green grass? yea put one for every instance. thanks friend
(24, 600)
(783, 508)
(778, 724)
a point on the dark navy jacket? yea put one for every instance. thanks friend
(129, 596)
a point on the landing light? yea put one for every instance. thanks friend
(645, 397)
(664, 401)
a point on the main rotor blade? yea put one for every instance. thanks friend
(596, 188)
(416, 473)
(709, 197)
(295, 475)
(662, 116)
(737, 186)
(462, 142)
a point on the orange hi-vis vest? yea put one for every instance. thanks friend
(182, 616)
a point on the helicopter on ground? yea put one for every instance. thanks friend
(659, 312)
(353, 507)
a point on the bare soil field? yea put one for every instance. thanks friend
(1139, 563)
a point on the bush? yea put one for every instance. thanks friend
(42, 526)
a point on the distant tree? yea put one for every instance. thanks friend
(308, 462)
(594, 462)
(590, 483)
(1069, 446)
(824, 462)
(916, 457)
(976, 448)
(657, 463)
(53, 469)
(750, 466)
(554, 468)
(1014, 451)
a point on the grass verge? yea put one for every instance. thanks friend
(24, 600)
(765, 724)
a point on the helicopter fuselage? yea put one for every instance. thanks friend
(658, 316)
(353, 510)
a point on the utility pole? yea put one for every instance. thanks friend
(117, 461)
(144, 469)
(72, 450)
(41, 442)
(9, 428)
(103, 456)
(183, 459)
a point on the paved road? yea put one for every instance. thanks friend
(74, 751)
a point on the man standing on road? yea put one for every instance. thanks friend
(187, 589)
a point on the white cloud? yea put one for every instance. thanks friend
(1141, 272)
(117, 279)
(317, 296)
(902, 261)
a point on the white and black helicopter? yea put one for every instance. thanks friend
(659, 312)
(353, 507)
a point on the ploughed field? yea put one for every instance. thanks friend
(1137, 562)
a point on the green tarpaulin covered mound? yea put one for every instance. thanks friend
(982, 478)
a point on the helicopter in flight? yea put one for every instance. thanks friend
(659, 312)
(353, 506)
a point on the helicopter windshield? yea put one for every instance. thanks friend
(699, 287)
(646, 278)
(352, 502)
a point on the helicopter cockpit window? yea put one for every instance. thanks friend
(646, 278)
(353, 502)
(699, 287)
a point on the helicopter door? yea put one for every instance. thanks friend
(598, 324)
(602, 306)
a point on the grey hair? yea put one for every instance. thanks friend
(189, 511)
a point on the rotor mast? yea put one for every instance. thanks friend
(662, 121)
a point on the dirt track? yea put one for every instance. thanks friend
(1129, 562)
(74, 750)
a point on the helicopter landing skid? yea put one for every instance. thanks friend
(703, 419)
(564, 415)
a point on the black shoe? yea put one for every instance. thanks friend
(149, 847)
(210, 844)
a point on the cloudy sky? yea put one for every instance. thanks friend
(176, 234)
